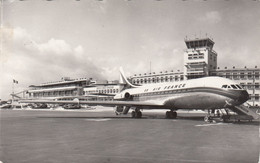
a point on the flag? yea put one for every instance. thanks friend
(15, 81)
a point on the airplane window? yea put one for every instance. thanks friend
(224, 86)
(228, 86)
(239, 86)
(233, 86)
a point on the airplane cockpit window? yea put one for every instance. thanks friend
(239, 86)
(224, 86)
(232, 86)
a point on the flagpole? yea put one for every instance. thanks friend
(13, 93)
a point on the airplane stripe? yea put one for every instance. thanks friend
(222, 92)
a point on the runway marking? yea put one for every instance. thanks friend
(98, 120)
(211, 124)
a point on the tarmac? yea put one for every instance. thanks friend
(99, 136)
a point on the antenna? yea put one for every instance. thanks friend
(150, 67)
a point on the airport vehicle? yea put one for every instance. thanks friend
(71, 106)
(207, 93)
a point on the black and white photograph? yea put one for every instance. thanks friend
(123, 81)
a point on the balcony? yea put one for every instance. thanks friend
(53, 89)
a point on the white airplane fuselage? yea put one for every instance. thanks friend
(202, 93)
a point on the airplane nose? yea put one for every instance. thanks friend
(243, 97)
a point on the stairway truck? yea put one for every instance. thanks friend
(246, 111)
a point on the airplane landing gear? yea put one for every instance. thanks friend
(136, 113)
(208, 118)
(171, 114)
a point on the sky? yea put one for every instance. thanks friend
(43, 41)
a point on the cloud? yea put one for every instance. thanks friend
(59, 47)
(30, 62)
(211, 17)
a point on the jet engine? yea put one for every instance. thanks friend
(127, 96)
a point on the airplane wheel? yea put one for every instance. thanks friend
(139, 114)
(225, 120)
(133, 114)
(206, 118)
(174, 115)
(168, 115)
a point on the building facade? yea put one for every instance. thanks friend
(162, 77)
(64, 88)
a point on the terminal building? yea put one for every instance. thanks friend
(68, 89)
(200, 60)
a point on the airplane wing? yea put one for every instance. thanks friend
(140, 104)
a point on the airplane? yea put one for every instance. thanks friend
(206, 93)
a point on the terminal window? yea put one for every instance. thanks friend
(249, 85)
(242, 75)
(249, 75)
(228, 75)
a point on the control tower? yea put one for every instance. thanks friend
(199, 58)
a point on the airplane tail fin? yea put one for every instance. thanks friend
(123, 79)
